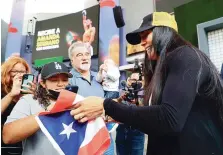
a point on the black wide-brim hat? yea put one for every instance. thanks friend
(149, 22)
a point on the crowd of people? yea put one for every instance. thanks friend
(182, 106)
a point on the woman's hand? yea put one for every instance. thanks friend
(88, 109)
(16, 86)
(31, 88)
(108, 119)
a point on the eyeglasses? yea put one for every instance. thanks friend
(149, 49)
(81, 55)
(18, 72)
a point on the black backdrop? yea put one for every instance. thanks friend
(71, 22)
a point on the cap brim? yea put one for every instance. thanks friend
(134, 37)
(69, 75)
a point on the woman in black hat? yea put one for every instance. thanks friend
(182, 87)
(21, 124)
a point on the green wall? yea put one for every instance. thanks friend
(196, 12)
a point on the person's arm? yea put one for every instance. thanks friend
(99, 77)
(177, 99)
(84, 16)
(92, 35)
(20, 123)
(19, 130)
(113, 73)
(15, 92)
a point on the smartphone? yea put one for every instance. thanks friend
(26, 78)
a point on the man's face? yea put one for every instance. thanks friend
(81, 59)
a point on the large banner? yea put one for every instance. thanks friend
(109, 33)
(54, 36)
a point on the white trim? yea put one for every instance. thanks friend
(126, 67)
(139, 56)
(78, 98)
(44, 130)
(92, 129)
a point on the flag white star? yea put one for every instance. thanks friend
(68, 130)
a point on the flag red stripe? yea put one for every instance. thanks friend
(65, 100)
(95, 147)
(109, 3)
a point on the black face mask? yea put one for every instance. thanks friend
(53, 94)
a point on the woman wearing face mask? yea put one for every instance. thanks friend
(21, 124)
(12, 71)
(186, 93)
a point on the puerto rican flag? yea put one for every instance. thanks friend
(68, 136)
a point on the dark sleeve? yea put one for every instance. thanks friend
(177, 98)
(7, 111)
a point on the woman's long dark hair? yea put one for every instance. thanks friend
(166, 40)
(42, 96)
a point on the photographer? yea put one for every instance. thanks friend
(129, 141)
(134, 92)
(12, 71)
(186, 112)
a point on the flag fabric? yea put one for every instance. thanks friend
(111, 126)
(67, 135)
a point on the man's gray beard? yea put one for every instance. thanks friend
(85, 67)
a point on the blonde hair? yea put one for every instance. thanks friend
(6, 68)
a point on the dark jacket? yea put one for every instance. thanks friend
(185, 122)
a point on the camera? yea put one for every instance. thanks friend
(138, 69)
(132, 91)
